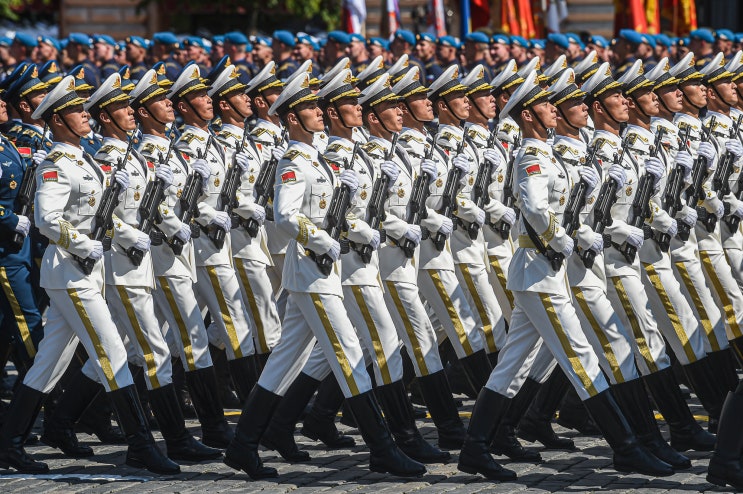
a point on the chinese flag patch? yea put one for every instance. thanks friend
(49, 177)
(533, 169)
(288, 177)
(25, 152)
(150, 165)
(185, 156)
(334, 166)
(106, 168)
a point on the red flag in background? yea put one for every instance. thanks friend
(526, 20)
(630, 14)
(509, 17)
(679, 16)
(479, 14)
(652, 15)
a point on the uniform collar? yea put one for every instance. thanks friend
(190, 129)
(414, 132)
(609, 137)
(306, 148)
(341, 140)
(453, 129)
(233, 129)
(636, 129)
(381, 142)
(268, 125)
(477, 133)
(689, 120)
(577, 144)
(157, 140)
(720, 118)
(536, 143)
(76, 151)
(117, 143)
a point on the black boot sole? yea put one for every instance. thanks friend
(263, 473)
(569, 445)
(7, 466)
(407, 475)
(505, 476)
(299, 457)
(54, 444)
(137, 463)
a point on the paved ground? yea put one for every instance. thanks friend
(585, 470)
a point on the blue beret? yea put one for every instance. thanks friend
(683, 41)
(448, 41)
(341, 37)
(379, 42)
(599, 41)
(80, 39)
(104, 38)
(636, 38)
(559, 39)
(702, 34)
(738, 37)
(724, 34)
(193, 41)
(236, 38)
(26, 39)
(501, 38)
(356, 37)
(262, 40)
(48, 40)
(477, 37)
(136, 41)
(165, 38)
(519, 41)
(426, 37)
(284, 37)
(322, 42)
(573, 38)
(5, 41)
(121, 45)
(663, 40)
(218, 40)
(405, 35)
(536, 43)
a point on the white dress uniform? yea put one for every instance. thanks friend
(732, 242)
(543, 310)
(217, 286)
(251, 256)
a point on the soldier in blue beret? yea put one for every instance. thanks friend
(575, 48)
(624, 49)
(557, 44)
(536, 50)
(425, 48)
(500, 52)
(238, 48)
(476, 46)
(519, 49)
(103, 51)
(724, 42)
(79, 49)
(335, 48)
(446, 52)
(262, 51)
(283, 45)
(48, 49)
(217, 49)
(357, 52)
(164, 49)
(402, 43)
(22, 48)
(701, 42)
(196, 52)
(662, 46)
(136, 52)
(377, 47)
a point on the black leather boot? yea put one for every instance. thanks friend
(629, 454)
(279, 435)
(633, 399)
(181, 445)
(685, 431)
(475, 457)
(59, 427)
(438, 397)
(504, 441)
(725, 465)
(385, 456)
(725, 371)
(142, 451)
(96, 420)
(227, 393)
(736, 345)
(536, 424)
(573, 415)
(244, 372)
(215, 431)
(477, 368)
(261, 359)
(242, 453)
(181, 389)
(319, 424)
(398, 411)
(710, 387)
(20, 418)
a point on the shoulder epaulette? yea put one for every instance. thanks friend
(292, 154)
(338, 146)
(534, 151)
(371, 146)
(412, 137)
(189, 136)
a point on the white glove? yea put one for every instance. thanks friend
(222, 220)
(335, 250)
(202, 168)
(734, 146)
(720, 211)
(738, 211)
(374, 242)
(673, 229)
(413, 234)
(684, 159)
(636, 237)
(38, 156)
(243, 161)
(349, 178)
(390, 169)
(462, 161)
(143, 242)
(480, 217)
(618, 174)
(446, 227)
(429, 167)
(509, 216)
(598, 243)
(707, 150)
(165, 174)
(259, 213)
(689, 216)
(655, 167)
(492, 156)
(23, 226)
(184, 234)
(121, 177)
(277, 154)
(590, 176)
(97, 251)
(569, 246)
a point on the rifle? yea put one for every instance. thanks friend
(417, 205)
(228, 195)
(375, 213)
(103, 219)
(503, 228)
(335, 221)
(450, 198)
(149, 213)
(672, 196)
(602, 211)
(698, 174)
(189, 200)
(264, 187)
(720, 180)
(731, 220)
(641, 202)
(480, 194)
(26, 193)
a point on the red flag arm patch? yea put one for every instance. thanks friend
(288, 177)
(106, 168)
(150, 165)
(25, 152)
(51, 176)
(533, 169)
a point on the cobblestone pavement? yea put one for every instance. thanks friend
(586, 470)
